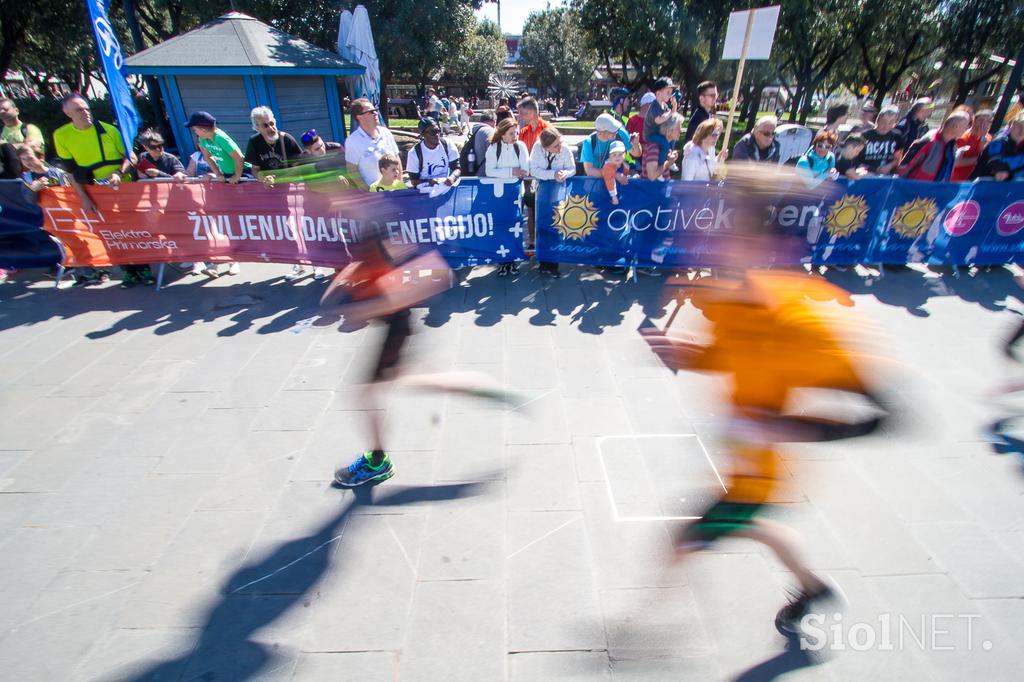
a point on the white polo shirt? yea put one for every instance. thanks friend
(364, 151)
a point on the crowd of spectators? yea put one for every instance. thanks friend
(509, 142)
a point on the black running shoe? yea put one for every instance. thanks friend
(362, 472)
(787, 620)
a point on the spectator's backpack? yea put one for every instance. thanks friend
(465, 166)
(497, 152)
(418, 148)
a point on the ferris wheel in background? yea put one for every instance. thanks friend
(502, 86)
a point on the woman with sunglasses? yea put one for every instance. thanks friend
(700, 162)
(818, 163)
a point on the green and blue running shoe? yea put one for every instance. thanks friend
(362, 472)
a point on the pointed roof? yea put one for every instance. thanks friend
(236, 43)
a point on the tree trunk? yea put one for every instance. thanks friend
(11, 41)
(794, 103)
(805, 109)
(1014, 84)
(755, 105)
(880, 96)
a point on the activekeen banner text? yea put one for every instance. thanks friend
(874, 220)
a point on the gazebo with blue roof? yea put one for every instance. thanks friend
(235, 63)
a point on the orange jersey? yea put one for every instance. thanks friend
(770, 341)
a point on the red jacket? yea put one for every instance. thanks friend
(929, 159)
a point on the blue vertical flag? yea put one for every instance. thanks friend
(128, 118)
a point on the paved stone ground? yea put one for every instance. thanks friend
(166, 513)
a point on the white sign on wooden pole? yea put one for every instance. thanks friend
(761, 36)
(750, 36)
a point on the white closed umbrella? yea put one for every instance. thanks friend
(344, 28)
(359, 43)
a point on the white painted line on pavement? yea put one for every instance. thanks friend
(549, 533)
(635, 436)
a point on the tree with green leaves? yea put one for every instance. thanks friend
(653, 38)
(809, 44)
(481, 55)
(971, 31)
(893, 36)
(555, 53)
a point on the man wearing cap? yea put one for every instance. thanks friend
(314, 145)
(220, 152)
(621, 104)
(707, 105)
(225, 159)
(367, 143)
(658, 114)
(868, 115)
(432, 160)
(595, 148)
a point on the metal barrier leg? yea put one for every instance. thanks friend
(160, 276)
(59, 277)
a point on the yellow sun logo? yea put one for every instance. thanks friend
(913, 218)
(575, 217)
(846, 216)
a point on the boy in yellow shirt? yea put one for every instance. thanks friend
(390, 175)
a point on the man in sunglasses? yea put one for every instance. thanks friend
(367, 143)
(155, 162)
(269, 149)
(759, 144)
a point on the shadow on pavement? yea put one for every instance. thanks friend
(224, 650)
(593, 299)
(911, 289)
(792, 658)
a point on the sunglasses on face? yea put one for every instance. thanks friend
(825, 145)
(268, 124)
(154, 147)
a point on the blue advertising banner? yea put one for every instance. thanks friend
(874, 220)
(112, 57)
(23, 244)
(477, 222)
